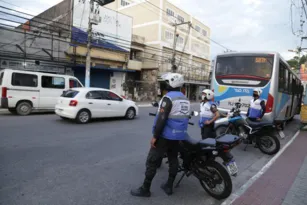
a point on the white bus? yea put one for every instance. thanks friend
(236, 75)
(22, 92)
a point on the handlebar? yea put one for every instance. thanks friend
(154, 114)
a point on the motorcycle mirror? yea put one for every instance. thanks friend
(155, 104)
(195, 113)
(239, 99)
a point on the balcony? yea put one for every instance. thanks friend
(135, 65)
(138, 39)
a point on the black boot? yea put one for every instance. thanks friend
(143, 191)
(168, 186)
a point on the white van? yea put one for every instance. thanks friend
(24, 91)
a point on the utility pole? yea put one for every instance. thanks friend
(88, 53)
(92, 19)
(173, 61)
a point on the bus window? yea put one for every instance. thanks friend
(290, 83)
(281, 79)
(248, 70)
(286, 88)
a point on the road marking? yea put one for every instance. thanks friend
(245, 186)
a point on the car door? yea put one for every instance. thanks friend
(96, 104)
(115, 104)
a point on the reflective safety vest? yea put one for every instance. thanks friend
(177, 123)
(205, 113)
(255, 109)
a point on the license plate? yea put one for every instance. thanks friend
(232, 167)
(281, 134)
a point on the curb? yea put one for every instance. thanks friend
(245, 186)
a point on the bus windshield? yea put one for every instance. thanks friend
(247, 70)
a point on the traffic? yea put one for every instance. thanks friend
(265, 88)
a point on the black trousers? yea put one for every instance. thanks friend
(171, 147)
(207, 131)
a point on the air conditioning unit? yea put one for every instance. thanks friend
(95, 19)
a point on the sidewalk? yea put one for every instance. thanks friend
(285, 182)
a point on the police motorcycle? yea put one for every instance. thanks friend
(197, 158)
(262, 134)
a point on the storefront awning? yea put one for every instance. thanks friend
(106, 68)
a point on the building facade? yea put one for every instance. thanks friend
(64, 30)
(154, 19)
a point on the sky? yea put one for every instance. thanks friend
(240, 25)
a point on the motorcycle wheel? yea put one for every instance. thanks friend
(221, 130)
(220, 176)
(265, 144)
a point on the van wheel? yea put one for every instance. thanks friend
(12, 110)
(24, 108)
(83, 117)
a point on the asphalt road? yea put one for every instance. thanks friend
(45, 160)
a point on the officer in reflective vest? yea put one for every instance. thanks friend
(208, 114)
(170, 126)
(256, 109)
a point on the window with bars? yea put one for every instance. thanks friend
(197, 28)
(169, 35)
(180, 18)
(180, 40)
(170, 12)
(204, 32)
(124, 3)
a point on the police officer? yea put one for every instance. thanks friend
(256, 109)
(208, 114)
(170, 126)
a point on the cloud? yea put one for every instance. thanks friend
(247, 25)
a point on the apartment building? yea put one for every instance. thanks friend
(154, 20)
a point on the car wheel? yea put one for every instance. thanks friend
(24, 108)
(83, 117)
(130, 114)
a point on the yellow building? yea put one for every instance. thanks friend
(154, 19)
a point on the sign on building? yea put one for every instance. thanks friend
(113, 32)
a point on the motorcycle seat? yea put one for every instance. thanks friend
(208, 142)
(195, 142)
(191, 140)
(227, 139)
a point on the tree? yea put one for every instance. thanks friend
(296, 61)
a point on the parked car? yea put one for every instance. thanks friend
(23, 91)
(84, 104)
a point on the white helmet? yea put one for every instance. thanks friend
(174, 80)
(209, 94)
(258, 90)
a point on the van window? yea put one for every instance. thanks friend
(23, 79)
(1, 78)
(53, 82)
(73, 83)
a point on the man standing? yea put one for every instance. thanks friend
(208, 114)
(170, 126)
(256, 110)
